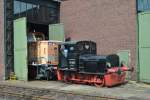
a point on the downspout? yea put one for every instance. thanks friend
(137, 44)
(4, 40)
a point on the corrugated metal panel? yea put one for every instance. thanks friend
(56, 32)
(144, 46)
(20, 49)
(143, 5)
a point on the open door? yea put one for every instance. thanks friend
(56, 32)
(20, 49)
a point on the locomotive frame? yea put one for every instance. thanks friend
(111, 78)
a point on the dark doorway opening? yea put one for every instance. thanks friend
(32, 27)
(39, 13)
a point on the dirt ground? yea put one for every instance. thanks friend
(128, 91)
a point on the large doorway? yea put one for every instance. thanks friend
(31, 16)
(144, 46)
(143, 10)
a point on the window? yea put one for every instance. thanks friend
(143, 5)
(38, 11)
(16, 7)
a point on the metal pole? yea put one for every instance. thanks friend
(137, 44)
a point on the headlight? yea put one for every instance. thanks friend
(108, 64)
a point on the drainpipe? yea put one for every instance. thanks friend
(4, 40)
(137, 44)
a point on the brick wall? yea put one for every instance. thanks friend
(110, 23)
(1, 39)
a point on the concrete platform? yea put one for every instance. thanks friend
(129, 91)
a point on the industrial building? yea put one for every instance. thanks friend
(112, 24)
(117, 26)
(23, 16)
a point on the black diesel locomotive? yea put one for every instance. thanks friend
(79, 63)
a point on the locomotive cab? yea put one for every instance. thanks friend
(68, 56)
(70, 52)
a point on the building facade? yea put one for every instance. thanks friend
(37, 12)
(1, 39)
(111, 24)
(115, 25)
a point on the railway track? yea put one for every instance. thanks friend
(8, 92)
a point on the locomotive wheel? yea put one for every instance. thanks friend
(49, 75)
(98, 79)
